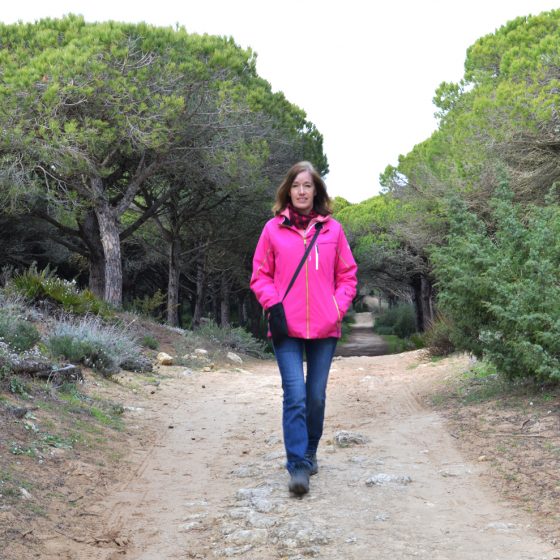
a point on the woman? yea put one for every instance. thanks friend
(313, 307)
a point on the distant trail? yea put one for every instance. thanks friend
(362, 341)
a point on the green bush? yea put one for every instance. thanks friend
(396, 345)
(499, 286)
(17, 333)
(149, 306)
(44, 285)
(437, 337)
(399, 320)
(102, 347)
(225, 338)
(148, 341)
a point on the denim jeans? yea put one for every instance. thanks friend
(303, 409)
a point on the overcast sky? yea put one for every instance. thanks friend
(364, 71)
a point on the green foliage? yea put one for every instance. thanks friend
(149, 306)
(19, 334)
(399, 320)
(437, 337)
(148, 341)
(499, 286)
(88, 340)
(18, 387)
(45, 286)
(225, 339)
(396, 345)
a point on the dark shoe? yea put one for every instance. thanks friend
(314, 469)
(299, 482)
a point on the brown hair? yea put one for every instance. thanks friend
(321, 202)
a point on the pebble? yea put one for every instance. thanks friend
(236, 550)
(164, 359)
(25, 494)
(383, 479)
(246, 472)
(347, 439)
(233, 357)
(247, 536)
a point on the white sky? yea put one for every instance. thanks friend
(365, 72)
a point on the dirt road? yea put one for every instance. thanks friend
(362, 341)
(212, 484)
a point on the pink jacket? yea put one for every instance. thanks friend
(325, 286)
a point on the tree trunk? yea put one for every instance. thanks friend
(110, 241)
(422, 295)
(224, 304)
(243, 313)
(200, 292)
(89, 233)
(427, 301)
(173, 282)
(97, 274)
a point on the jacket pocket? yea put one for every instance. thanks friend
(337, 309)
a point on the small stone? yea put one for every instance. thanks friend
(201, 352)
(500, 526)
(207, 368)
(237, 550)
(164, 359)
(247, 536)
(272, 440)
(483, 458)
(185, 527)
(383, 479)
(133, 409)
(261, 521)
(347, 439)
(232, 357)
(25, 494)
(246, 472)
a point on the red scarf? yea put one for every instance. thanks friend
(301, 221)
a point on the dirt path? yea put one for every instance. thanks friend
(212, 484)
(362, 341)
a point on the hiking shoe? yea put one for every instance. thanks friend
(299, 482)
(314, 469)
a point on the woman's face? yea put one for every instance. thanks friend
(302, 192)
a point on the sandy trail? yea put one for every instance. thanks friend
(362, 341)
(213, 485)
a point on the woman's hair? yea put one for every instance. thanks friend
(321, 201)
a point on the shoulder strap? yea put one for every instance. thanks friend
(318, 227)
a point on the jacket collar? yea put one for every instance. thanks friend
(284, 218)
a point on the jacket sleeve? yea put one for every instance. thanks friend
(262, 278)
(345, 279)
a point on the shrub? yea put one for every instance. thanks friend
(499, 286)
(437, 337)
(225, 338)
(19, 334)
(148, 341)
(399, 320)
(149, 306)
(44, 285)
(396, 345)
(88, 340)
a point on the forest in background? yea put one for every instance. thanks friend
(143, 161)
(468, 225)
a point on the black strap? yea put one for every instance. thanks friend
(318, 227)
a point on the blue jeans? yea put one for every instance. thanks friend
(304, 395)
